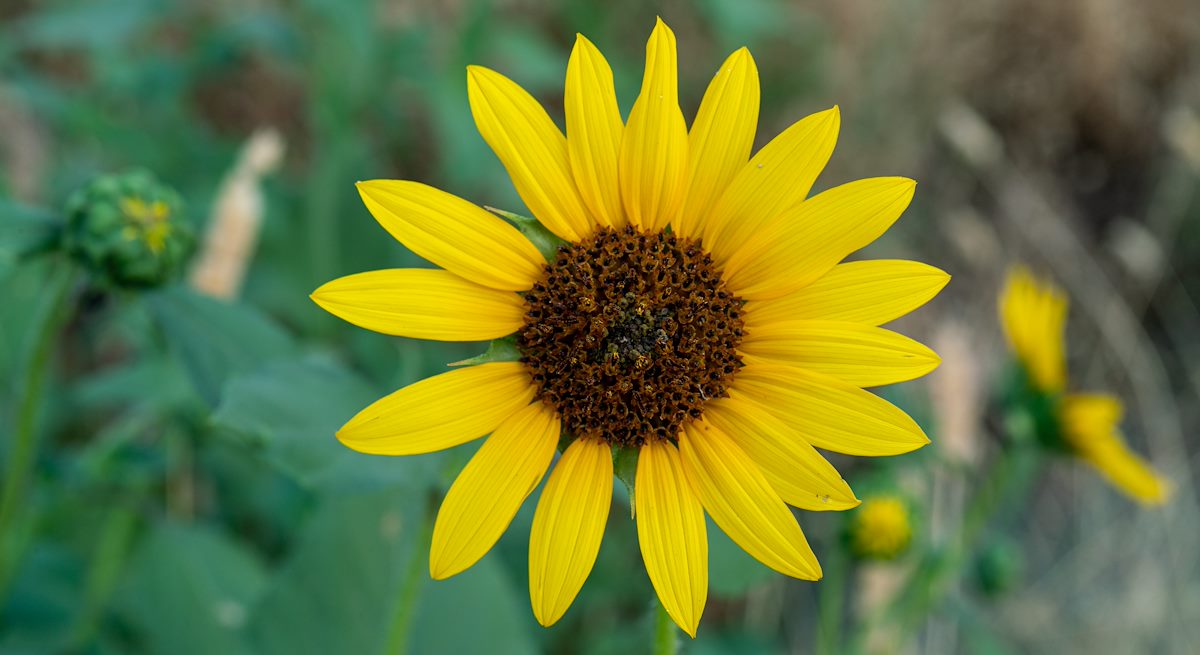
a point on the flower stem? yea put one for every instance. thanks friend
(410, 587)
(666, 642)
(107, 562)
(20, 457)
(1009, 477)
(832, 592)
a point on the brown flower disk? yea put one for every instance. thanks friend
(628, 334)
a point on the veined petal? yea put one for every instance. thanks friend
(654, 148)
(827, 412)
(440, 412)
(422, 304)
(813, 237)
(720, 140)
(872, 292)
(862, 355)
(1090, 425)
(594, 130)
(741, 501)
(532, 150)
(487, 494)
(671, 534)
(1034, 316)
(778, 177)
(801, 476)
(454, 234)
(568, 526)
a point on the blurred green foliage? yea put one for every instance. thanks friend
(188, 494)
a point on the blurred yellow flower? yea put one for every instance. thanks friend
(696, 313)
(881, 528)
(1034, 314)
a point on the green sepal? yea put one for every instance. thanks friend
(1031, 414)
(499, 350)
(625, 467)
(544, 240)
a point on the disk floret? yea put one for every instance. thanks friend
(628, 334)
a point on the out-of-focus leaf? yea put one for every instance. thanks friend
(24, 230)
(732, 572)
(337, 591)
(216, 340)
(190, 589)
(100, 24)
(709, 642)
(290, 411)
(478, 611)
(44, 598)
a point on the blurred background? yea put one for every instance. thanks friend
(187, 494)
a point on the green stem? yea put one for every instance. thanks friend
(1009, 478)
(18, 467)
(410, 588)
(832, 590)
(666, 642)
(104, 571)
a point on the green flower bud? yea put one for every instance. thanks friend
(129, 229)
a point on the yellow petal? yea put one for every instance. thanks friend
(741, 501)
(777, 178)
(532, 149)
(487, 494)
(1034, 316)
(827, 412)
(422, 304)
(440, 412)
(720, 140)
(871, 292)
(1090, 425)
(800, 475)
(813, 237)
(594, 131)
(654, 149)
(671, 534)
(862, 355)
(454, 234)
(568, 526)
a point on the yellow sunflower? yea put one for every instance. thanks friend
(881, 528)
(1034, 317)
(695, 313)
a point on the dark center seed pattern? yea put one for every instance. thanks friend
(629, 334)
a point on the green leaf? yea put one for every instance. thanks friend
(289, 412)
(190, 589)
(24, 231)
(731, 571)
(544, 240)
(337, 591)
(477, 611)
(499, 350)
(216, 340)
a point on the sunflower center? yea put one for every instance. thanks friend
(629, 334)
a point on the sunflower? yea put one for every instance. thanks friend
(1034, 315)
(693, 312)
(882, 528)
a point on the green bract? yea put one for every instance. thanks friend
(128, 229)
